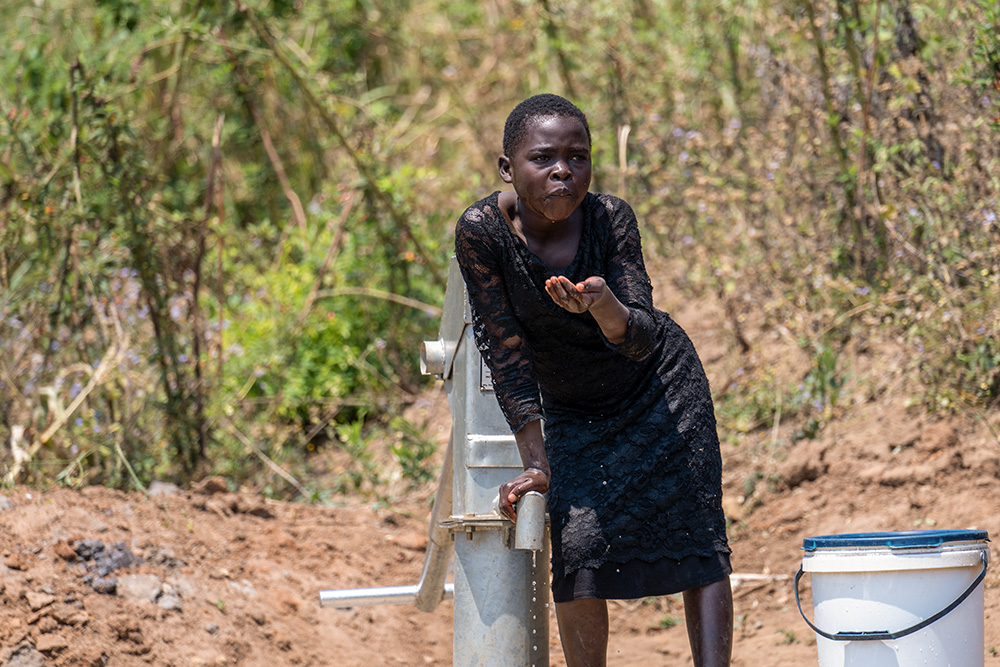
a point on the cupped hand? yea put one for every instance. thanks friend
(532, 479)
(576, 297)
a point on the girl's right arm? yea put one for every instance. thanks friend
(502, 342)
(499, 335)
(536, 475)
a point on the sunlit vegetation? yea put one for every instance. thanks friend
(225, 226)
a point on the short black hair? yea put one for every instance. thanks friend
(545, 105)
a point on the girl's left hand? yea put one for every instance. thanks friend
(578, 297)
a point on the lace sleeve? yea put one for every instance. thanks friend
(629, 281)
(499, 336)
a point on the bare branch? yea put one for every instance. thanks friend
(331, 255)
(432, 311)
(275, 468)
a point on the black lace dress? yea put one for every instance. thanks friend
(636, 494)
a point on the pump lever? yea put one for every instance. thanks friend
(432, 587)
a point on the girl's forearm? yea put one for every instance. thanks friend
(531, 446)
(612, 316)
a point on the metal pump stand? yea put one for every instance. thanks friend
(500, 589)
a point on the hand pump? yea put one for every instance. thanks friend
(500, 589)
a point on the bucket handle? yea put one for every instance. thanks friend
(883, 635)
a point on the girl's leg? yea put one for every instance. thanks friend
(708, 611)
(583, 627)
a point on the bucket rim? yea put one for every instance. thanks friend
(903, 539)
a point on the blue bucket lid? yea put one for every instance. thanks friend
(905, 539)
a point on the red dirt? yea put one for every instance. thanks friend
(247, 572)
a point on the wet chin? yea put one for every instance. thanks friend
(558, 209)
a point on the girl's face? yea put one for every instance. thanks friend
(550, 170)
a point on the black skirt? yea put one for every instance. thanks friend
(639, 579)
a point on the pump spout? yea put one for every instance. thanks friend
(529, 532)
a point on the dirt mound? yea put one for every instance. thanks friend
(100, 577)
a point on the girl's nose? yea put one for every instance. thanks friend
(560, 169)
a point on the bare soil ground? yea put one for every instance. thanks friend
(210, 577)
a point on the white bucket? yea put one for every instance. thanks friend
(897, 599)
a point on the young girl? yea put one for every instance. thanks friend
(563, 315)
